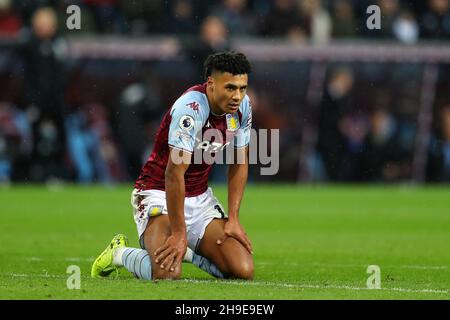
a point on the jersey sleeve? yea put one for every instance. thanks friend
(242, 137)
(187, 120)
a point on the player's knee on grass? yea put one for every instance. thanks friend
(159, 273)
(239, 262)
(243, 270)
(162, 274)
(231, 257)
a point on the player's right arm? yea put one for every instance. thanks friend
(185, 123)
(171, 254)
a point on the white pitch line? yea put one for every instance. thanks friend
(80, 259)
(33, 259)
(257, 283)
(22, 275)
(309, 286)
(35, 275)
(75, 259)
(425, 267)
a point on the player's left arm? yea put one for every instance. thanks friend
(237, 179)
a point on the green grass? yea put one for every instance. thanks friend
(310, 243)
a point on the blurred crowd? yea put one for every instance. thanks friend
(297, 20)
(60, 124)
(375, 142)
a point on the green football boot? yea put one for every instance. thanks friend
(103, 265)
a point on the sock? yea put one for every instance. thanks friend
(117, 256)
(188, 255)
(202, 263)
(137, 261)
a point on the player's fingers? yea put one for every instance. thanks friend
(249, 245)
(176, 261)
(245, 242)
(162, 248)
(163, 255)
(167, 263)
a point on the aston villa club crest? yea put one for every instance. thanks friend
(232, 122)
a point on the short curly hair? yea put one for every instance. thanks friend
(228, 61)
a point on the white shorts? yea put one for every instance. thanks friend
(199, 211)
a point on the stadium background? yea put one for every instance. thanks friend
(352, 105)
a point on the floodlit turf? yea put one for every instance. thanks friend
(310, 243)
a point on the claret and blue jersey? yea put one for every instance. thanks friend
(185, 126)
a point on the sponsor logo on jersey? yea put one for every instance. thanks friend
(193, 105)
(212, 147)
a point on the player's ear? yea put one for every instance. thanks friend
(210, 82)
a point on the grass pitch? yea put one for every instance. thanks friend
(309, 243)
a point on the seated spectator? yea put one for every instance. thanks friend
(405, 27)
(143, 16)
(181, 20)
(345, 24)
(91, 146)
(383, 157)
(282, 19)
(107, 15)
(353, 128)
(316, 20)
(15, 143)
(10, 22)
(236, 17)
(435, 23)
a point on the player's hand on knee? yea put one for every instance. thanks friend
(235, 230)
(170, 254)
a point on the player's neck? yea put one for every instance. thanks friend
(214, 110)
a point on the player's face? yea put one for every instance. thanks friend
(228, 91)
